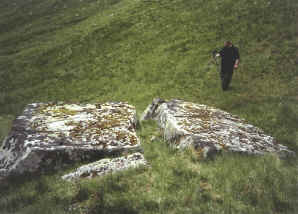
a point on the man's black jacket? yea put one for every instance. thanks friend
(229, 56)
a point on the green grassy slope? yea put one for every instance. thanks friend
(135, 50)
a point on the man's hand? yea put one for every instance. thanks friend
(236, 64)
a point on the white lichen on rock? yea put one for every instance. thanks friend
(48, 133)
(208, 129)
(107, 165)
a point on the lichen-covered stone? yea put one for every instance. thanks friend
(208, 129)
(107, 165)
(57, 134)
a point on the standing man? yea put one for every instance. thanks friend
(229, 61)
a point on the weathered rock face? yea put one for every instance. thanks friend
(48, 135)
(107, 165)
(208, 129)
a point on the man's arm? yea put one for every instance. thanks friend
(219, 53)
(236, 63)
(237, 56)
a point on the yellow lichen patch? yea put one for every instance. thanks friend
(108, 124)
(65, 111)
(133, 140)
(121, 136)
(71, 123)
(77, 131)
(56, 111)
(203, 114)
(194, 118)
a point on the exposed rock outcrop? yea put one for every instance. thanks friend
(107, 165)
(51, 135)
(208, 129)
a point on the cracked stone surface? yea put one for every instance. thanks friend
(107, 165)
(51, 135)
(208, 129)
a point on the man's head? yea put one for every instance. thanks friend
(228, 44)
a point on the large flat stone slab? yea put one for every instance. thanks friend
(107, 165)
(208, 129)
(50, 135)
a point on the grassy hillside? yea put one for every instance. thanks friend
(135, 50)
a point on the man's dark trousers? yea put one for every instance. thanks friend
(226, 74)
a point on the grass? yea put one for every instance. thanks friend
(121, 50)
(175, 182)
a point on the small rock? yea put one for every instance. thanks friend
(205, 186)
(105, 166)
(153, 138)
